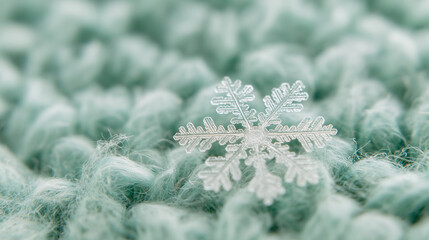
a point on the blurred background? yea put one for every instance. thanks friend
(98, 58)
(74, 72)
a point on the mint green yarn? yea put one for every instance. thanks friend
(13, 182)
(373, 225)
(295, 207)
(274, 65)
(199, 107)
(164, 111)
(177, 169)
(242, 218)
(407, 14)
(51, 201)
(184, 77)
(419, 124)
(185, 26)
(66, 157)
(38, 95)
(222, 52)
(78, 70)
(291, 22)
(336, 66)
(408, 194)
(102, 113)
(422, 42)
(14, 177)
(335, 210)
(92, 93)
(10, 81)
(8, 44)
(364, 175)
(419, 231)
(52, 124)
(4, 110)
(149, 221)
(96, 217)
(357, 97)
(337, 156)
(131, 60)
(380, 129)
(16, 228)
(118, 177)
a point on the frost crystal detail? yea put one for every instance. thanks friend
(257, 142)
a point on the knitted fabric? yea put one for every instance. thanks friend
(92, 92)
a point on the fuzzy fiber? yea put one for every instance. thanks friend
(91, 93)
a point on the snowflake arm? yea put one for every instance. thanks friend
(220, 168)
(283, 99)
(307, 132)
(304, 170)
(235, 102)
(301, 168)
(197, 136)
(264, 184)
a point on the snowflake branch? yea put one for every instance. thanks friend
(235, 102)
(267, 186)
(222, 167)
(307, 132)
(197, 136)
(303, 169)
(282, 100)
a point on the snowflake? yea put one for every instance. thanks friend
(257, 142)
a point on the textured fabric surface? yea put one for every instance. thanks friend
(91, 93)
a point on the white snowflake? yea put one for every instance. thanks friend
(255, 143)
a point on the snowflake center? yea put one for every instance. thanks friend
(255, 136)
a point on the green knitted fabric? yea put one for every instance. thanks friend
(92, 92)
